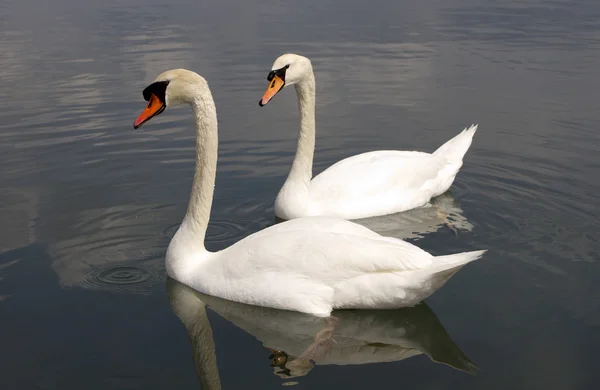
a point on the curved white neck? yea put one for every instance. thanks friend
(198, 212)
(301, 171)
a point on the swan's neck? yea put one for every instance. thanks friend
(301, 171)
(196, 218)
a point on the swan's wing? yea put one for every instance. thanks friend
(320, 255)
(301, 270)
(376, 174)
(315, 271)
(320, 224)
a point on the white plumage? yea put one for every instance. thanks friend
(311, 265)
(366, 185)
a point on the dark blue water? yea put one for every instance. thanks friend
(88, 205)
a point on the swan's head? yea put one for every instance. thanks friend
(289, 69)
(173, 87)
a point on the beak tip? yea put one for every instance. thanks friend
(260, 103)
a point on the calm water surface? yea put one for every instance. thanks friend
(88, 205)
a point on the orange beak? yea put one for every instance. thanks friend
(155, 107)
(275, 86)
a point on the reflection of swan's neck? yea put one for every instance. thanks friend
(201, 197)
(301, 171)
(204, 355)
(192, 313)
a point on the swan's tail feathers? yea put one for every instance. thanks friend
(455, 149)
(457, 260)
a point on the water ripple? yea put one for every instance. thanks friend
(121, 278)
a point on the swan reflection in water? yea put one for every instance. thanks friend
(296, 342)
(443, 210)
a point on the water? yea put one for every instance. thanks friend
(88, 205)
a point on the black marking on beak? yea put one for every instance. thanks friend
(278, 72)
(158, 88)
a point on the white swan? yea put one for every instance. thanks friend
(310, 265)
(366, 185)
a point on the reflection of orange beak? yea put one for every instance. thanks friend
(155, 107)
(276, 84)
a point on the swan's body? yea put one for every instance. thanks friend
(314, 265)
(311, 265)
(366, 185)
